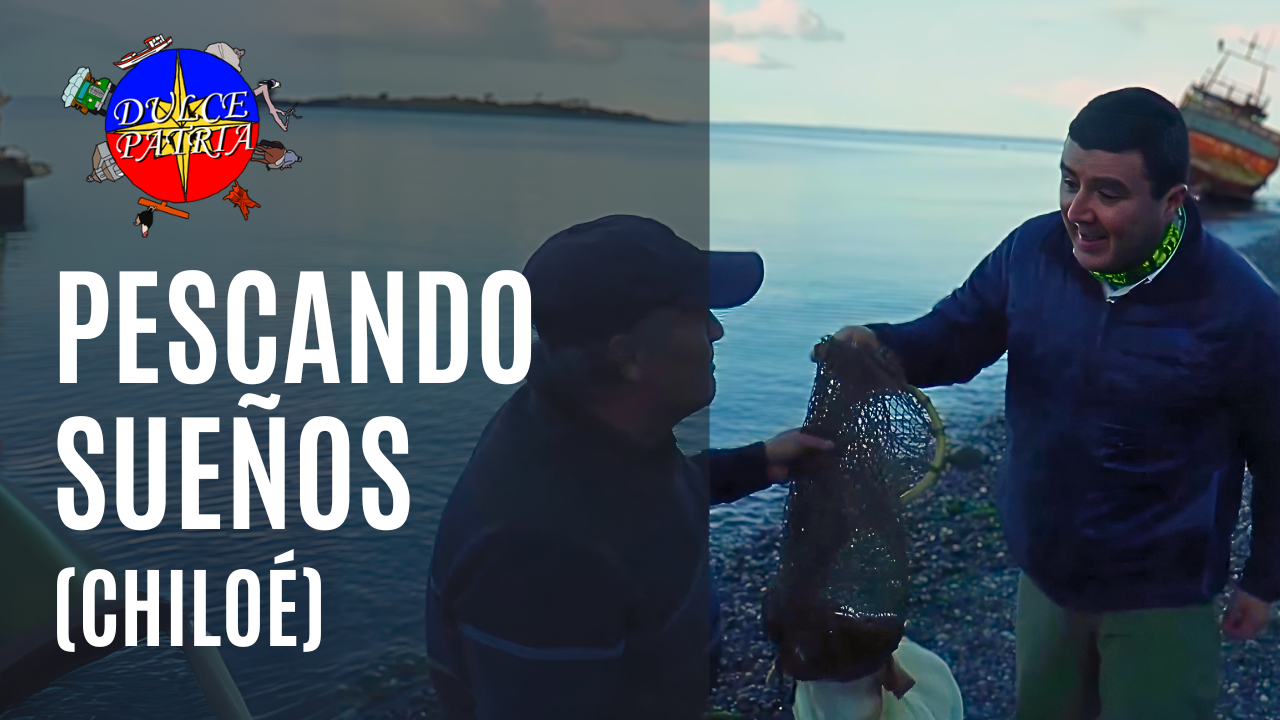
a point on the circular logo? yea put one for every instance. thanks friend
(182, 125)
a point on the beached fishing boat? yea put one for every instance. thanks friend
(1232, 151)
(154, 45)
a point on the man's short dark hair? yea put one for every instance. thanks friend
(1137, 119)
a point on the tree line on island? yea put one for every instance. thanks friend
(572, 107)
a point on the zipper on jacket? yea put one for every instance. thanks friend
(1092, 366)
(1102, 323)
(1106, 309)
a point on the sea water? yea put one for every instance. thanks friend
(855, 227)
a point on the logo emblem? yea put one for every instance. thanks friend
(182, 125)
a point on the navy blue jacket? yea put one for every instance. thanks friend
(1130, 421)
(570, 576)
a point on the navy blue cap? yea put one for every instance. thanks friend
(602, 277)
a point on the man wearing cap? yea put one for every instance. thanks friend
(570, 576)
(1144, 375)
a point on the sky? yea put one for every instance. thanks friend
(990, 67)
(645, 55)
(993, 67)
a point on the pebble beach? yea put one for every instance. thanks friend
(962, 605)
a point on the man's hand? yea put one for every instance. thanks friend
(1246, 615)
(865, 339)
(859, 337)
(786, 448)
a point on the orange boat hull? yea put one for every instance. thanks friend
(1227, 169)
(1232, 152)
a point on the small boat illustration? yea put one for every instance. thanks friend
(154, 45)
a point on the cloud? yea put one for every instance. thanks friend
(778, 19)
(581, 31)
(1139, 17)
(1136, 17)
(1043, 14)
(1232, 34)
(1071, 93)
(769, 19)
(743, 54)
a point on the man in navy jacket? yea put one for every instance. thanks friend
(570, 578)
(1144, 375)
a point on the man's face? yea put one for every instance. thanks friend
(1106, 202)
(674, 359)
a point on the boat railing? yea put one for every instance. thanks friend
(1224, 103)
(1254, 100)
(1216, 107)
(1229, 90)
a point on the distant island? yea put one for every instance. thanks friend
(573, 108)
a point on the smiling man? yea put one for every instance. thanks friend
(1144, 375)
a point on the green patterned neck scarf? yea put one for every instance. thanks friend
(1172, 236)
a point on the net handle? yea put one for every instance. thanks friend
(939, 456)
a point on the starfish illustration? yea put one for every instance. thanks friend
(180, 130)
(240, 198)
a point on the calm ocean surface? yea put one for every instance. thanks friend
(854, 227)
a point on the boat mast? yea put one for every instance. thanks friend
(1262, 82)
(1213, 79)
(1251, 99)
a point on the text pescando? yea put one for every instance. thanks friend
(311, 309)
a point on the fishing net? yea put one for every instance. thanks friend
(835, 610)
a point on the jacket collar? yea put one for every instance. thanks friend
(1183, 276)
(1176, 278)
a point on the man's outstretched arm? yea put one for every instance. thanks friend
(964, 333)
(737, 473)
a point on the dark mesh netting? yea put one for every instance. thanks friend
(835, 610)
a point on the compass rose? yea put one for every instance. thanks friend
(182, 125)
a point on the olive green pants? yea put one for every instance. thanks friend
(1134, 665)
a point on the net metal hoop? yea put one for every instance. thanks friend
(939, 462)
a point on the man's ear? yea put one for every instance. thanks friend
(1174, 199)
(624, 353)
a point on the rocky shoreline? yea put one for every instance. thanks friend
(962, 605)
